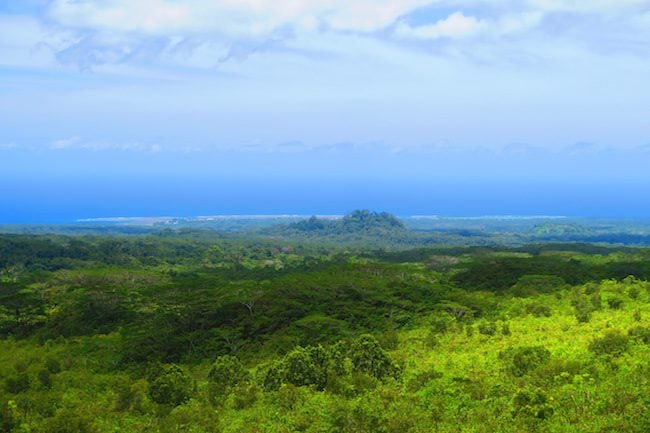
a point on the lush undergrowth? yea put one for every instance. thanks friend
(159, 334)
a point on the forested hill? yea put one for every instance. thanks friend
(358, 222)
(363, 228)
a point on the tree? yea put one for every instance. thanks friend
(170, 385)
(368, 357)
(306, 366)
(226, 372)
(612, 343)
(527, 358)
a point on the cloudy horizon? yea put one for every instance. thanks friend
(351, 97)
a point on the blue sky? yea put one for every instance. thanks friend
(258, 106)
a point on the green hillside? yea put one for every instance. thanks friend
(204, 334)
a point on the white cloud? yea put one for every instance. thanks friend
(230, 17)
(7, 146)
(455, 26)
(460, 26)
(586, 6)
(64, 143)
(76, 143)
(24, 41)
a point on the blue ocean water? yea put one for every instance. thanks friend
(64, 200)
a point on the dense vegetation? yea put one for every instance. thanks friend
(195, 331)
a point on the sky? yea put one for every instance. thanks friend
(201, 107)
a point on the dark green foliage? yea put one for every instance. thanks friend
(362, 222)
(431, 339)
(53, 365)
(226, 372)
(244, 395)
(17, 383)
(306, 366)
(420, 380)
(170, 385)
(389, 340)
(8, 416)
(530, 285)
(290, 396)
(612, 343)
(191, 417)
(583, 315)
(69, 421)
(583, 308)
(539, 310)
(130, 396)
(595, 300)
(303, 366)
(640, 333)
(368, 357)
(44, 378)
(532, 403)
(273, 376)
(523, 360)
(440, 324)
(615, 303)
(487, 328)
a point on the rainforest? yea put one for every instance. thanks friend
(355, 324)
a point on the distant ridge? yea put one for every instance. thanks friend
(358, 221)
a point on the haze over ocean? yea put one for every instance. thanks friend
(161, 107)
